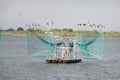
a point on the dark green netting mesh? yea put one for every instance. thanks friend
(40, 42)
(0, 33)
(91, 42)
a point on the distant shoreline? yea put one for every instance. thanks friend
(24, 33)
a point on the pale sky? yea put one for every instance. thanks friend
(63, 13)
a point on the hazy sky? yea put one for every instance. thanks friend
(63, 13)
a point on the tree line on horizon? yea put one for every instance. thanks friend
(63, 29)
(21, 29)
(18, 29)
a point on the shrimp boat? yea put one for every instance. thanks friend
(53, 48)
(64, 55)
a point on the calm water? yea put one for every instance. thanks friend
(15, 65)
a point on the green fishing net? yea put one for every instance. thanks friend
(36, 47)
(91, 41)
(0, 33)
(41, 42)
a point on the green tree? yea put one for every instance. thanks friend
(11, 29)
(64, 29)
(70, 30)
(20, 29)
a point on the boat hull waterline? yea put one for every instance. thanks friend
(63, 60)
